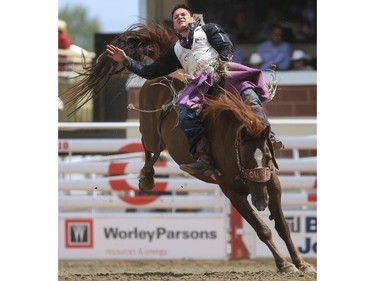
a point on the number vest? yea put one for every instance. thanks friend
(201, 57)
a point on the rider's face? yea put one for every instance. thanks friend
(181, 19)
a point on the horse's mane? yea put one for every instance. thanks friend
(139, 41)
(227, 103)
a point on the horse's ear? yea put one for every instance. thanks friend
(266, 132)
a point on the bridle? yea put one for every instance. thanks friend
(259, 174)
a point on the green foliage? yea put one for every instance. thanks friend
(81, 28)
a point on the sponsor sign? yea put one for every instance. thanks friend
(303, 228)
(175, 236)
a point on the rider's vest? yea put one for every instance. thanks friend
(201, 57)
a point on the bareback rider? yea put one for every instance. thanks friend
(203, 51)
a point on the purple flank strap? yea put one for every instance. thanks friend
(241, 77)
(193, 94)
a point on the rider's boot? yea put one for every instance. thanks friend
(204, 164)
(251, 98)
(276, 142)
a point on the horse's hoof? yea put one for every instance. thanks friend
(288, 268)
(307, 268)
(144, 185)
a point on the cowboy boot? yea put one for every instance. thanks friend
(250, 98)
(204, 164)
(276, 142)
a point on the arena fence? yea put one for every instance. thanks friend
(102, 214)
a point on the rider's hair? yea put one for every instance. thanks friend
(182, 6)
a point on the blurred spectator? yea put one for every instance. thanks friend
(240, 26)
(275, 50)
(304, 30)
(64, 43)
(237, 54)
(255, 60)
(300, 61)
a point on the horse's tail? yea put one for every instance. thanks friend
(138, 41)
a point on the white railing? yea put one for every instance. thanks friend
(95, 181)
(127, 125)
(90, 165)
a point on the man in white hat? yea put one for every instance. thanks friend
(255, 60)
(299, 60)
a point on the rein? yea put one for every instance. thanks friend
(166, 83)
(164, 107)
(260, 174)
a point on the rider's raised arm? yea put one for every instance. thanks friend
(165, 64)
(219, 40)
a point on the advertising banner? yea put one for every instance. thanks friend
(143, 237)
(303, 228)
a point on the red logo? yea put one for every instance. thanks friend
(119, 185)
(79, 233)
(123, 185)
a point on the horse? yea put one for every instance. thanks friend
(240, 145)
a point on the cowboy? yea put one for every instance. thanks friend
(205, 52)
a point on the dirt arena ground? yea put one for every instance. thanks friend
(260, 269)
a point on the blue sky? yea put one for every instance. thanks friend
(114, 15)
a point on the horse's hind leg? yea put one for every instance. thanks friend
(274, 192)
(263, 231)
(146, 181)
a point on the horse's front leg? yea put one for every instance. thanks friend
(240, 202)
(281, 226)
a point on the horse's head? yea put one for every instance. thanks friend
(254, 157)
(256, 164)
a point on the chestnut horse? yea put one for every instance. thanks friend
(239, 142)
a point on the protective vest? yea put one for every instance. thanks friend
(201, 57)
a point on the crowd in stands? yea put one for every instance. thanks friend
(251, 21)
(279, 52)
(275, 51)
(254, 23)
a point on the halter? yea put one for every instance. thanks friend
(260, 174)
